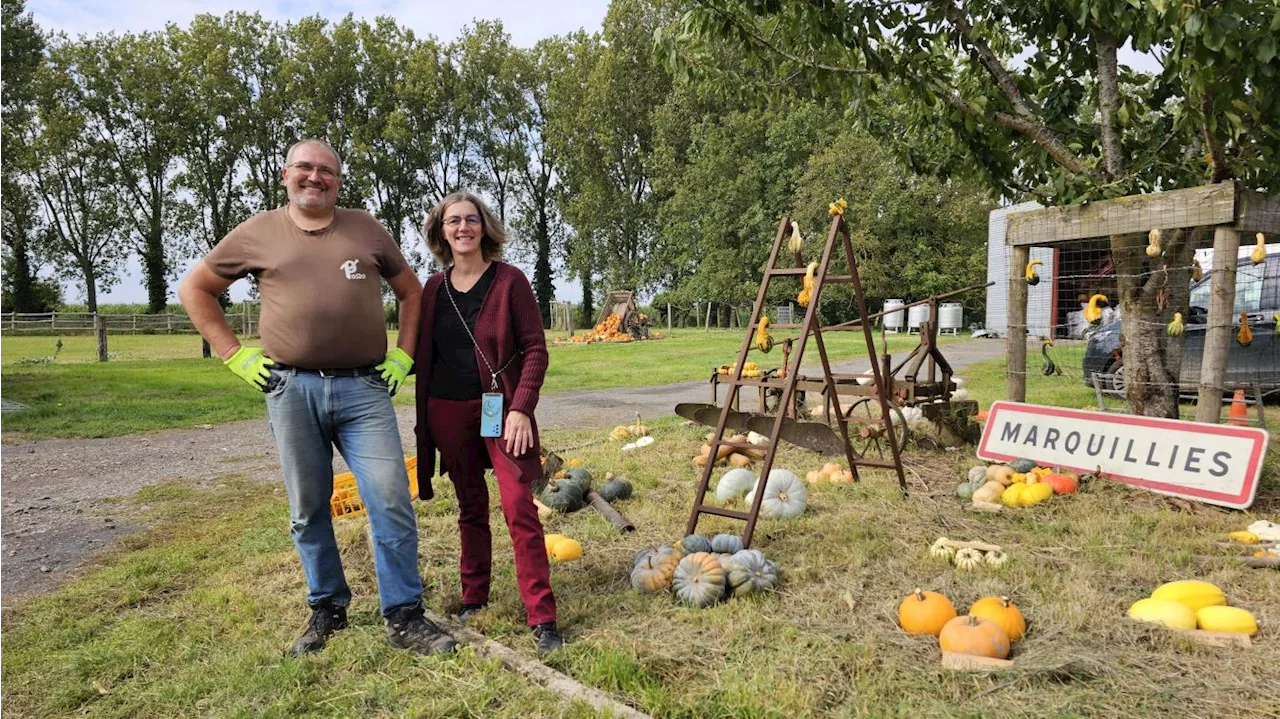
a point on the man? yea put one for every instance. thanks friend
(319, 270)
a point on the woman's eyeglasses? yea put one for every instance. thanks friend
(456, 220)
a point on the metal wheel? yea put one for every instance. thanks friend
(867, 434)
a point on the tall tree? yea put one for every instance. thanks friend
(383, 144)
(496, 109)
(434, 102)
(272, 112)
(75, 179)
(130, 88)
(1065, 122)
(21, 49)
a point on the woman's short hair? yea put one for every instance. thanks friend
(493, 236)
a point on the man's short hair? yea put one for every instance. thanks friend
(288, 156)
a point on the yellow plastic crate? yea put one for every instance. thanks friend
(345, 502)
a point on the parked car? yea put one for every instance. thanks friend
(1258, 365)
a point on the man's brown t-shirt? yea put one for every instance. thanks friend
(321, 291)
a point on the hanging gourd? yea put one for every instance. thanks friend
(764, 342)
(1030, 273)
(1245, 336)
(1197, 272)
(1092, 312)
(838, 207)
(806, 292)
(1153, 243)
(795, 243)
(1259, 254)
(1176, 328)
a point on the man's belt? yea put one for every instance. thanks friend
(329, 372)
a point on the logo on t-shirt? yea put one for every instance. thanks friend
(349, 269)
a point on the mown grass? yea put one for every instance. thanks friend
(160, 382)
(189, 618)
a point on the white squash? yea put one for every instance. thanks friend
(785, 496)
(734, 484)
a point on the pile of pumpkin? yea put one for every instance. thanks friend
(568, 493)
(992, 624)
(1193, 604)
(1020, 483)
(785, 495)
(749, 369)
(733, 456)
(830, 472)
(701, 571)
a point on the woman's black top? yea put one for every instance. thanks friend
(454, 370)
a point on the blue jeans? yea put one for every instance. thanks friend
(309, 416)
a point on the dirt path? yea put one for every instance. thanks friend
(51, 496)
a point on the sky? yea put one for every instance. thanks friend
(526, 22)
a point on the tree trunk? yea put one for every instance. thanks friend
(90, 287)
(153, 264)
(588, 304)
(1148, 298)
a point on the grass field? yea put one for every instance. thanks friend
(190, 617)
(159, 381)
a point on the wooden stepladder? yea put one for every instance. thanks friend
(809, 327)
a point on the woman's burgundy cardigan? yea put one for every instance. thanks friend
(508, 322)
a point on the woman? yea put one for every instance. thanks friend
(481, 343)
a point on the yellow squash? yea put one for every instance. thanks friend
(1226, 619)
(1194, 593)
(1175, 615)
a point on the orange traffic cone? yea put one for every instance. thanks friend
(1239, 414)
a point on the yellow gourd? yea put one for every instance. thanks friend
(566, 550)
(764, 342)
(1259, 254)
(1036, 493)
(1153, 243)
(795, 243)
(1012, 496)
(1197, 272)
(1030, 273)
(552, 540)
(807, 292)
(838, 207)
(1226, 619)
(1194, 593)
(1000, 473)
(1020, 478)
(1245, 336)
(1174, 615)
(1092, 312)
(1176, 328)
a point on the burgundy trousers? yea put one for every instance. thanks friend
(455, 429)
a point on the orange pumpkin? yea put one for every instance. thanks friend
(976, 636)
(1004, 613)
(1061, 483)
(925, 612)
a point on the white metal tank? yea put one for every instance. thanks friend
(950, 317)
(893, 320)
(915, 315)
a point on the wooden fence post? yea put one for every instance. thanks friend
(1016, 327)
(100, 329)
(1217, 335)
(706, 325)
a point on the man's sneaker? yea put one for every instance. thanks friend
(407, 628)
(468, 611)
(325, 619)
(548, 638)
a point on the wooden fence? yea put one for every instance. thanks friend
(244, 322)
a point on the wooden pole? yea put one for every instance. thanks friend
(1016, 327)
(100, 329)
(707, 324)
(668, 316)
(1217, 336)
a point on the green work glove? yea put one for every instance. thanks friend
(395, 368)
(250, 365)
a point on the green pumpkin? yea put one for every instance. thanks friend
(615, 489)
(699, 580)
(1022, 465)
(726, 544)
(749, 572)
(563, 496)
(693, 544)
(580, 477)
(965, 490)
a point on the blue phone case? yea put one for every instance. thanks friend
(491, 414)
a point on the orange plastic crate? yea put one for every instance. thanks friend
(345, 502)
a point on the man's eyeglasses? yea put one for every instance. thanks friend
(473, 220)
(307, 168)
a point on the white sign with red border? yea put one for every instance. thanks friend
(1213, 463)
